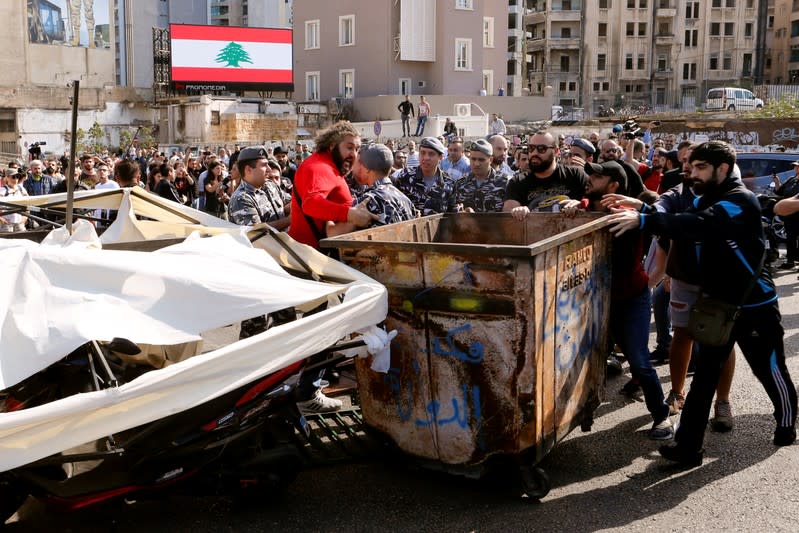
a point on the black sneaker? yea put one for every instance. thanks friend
(784, 436)
(631, 388)
(674, 453)
(659, 356)
(787, 265)
(613, 365)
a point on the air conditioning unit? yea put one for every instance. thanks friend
(463, 110)
(422, 84)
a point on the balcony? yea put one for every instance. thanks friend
(536, 17)
(564, 15)
(664, 38)
(664, 74)
(567, 43)
(666, 12)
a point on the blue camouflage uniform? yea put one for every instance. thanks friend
(249, 206)
(437, 199)
(485, 197)
(388, 202)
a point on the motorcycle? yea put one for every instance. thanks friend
(243, 440)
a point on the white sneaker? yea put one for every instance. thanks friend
(319, 404)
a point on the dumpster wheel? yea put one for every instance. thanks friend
(534, 481)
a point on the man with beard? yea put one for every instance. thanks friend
(499, 159)
(725, 226)
(629, 294)
(611, 151)
(683, 279)
(288, 169)
(428, 187)
(456, 164)
(653, 175)
(546, 183)
(320, 191)
(482, 190)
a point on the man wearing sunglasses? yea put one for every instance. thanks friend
(546, 183)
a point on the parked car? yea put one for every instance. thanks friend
(731, 99)
(758, 167)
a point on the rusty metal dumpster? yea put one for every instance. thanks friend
(502, 333)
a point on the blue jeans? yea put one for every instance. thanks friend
(660, 308)
(420, 126)
(629, 325)
(406, 125)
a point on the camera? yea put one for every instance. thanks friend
(34, 149)
(631, 130)
(224, 185)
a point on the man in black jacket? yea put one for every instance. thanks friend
(725, 225)
(406, 111)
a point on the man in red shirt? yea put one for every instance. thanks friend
(320, 192)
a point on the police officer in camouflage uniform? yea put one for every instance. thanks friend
(482, 190)
(429, 188)
(372, 169)
(257, 199)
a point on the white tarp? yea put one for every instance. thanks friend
(57, 297)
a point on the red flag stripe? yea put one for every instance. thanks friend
(226, 33)
(244, 75)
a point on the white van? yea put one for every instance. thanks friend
(730, 99)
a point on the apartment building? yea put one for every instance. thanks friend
(782, 59)
(660, 54)
(366, 48)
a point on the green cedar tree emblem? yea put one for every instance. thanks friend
(233, 54)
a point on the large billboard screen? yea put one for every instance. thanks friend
(84, 23)
(228, 58)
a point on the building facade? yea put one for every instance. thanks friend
(643, 54)
(354, 48)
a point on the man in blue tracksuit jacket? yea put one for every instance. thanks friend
(725, 226)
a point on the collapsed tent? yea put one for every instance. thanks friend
(71, 289)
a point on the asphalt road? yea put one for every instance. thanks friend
(609, 479)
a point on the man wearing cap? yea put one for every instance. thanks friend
(288, 169)
(11, 188)
(37, 183)
(257, 198)
(724, 224)
(546, 183)
(482, 190)
(320, 192)
(428, 187)
(371, 171)
(788, 189)
(629, 293)
(455, 164)
(581, 152)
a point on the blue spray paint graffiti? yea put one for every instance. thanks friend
(475, 355)
(460, 415)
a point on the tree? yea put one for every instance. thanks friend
(96, 137)
(233, 54)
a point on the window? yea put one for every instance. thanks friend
(663, 63)
(565, 33)
(714, 62)
(664, 28)
(641, 29)
(729, 28)
(562, 86)
(601, 62)
(405, 86)
(730, 3)
(692, 10)
(771, 21)
(795, 28)
(641, 62)
(794, 55)
(727, 62)
(488, 81)
(346, 30)
(715, 29)
(630, 29)
(564, 63)
(628, 62)
(572, 86)
(748, 29)
(642, 4)
(691, 37)
(715, 3)
(488, 32)
(464, 4)
(604, 86)
(312, 86)
(346, 83)
(604, 4)
(746, 70)
(602, 29)
(630, 4)
(689, 71)
(311, 34)
(463, 54)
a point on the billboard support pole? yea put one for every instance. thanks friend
(73, 143)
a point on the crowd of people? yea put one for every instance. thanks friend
(686, 229)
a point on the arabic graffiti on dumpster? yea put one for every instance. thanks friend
(460, 411)
(474, 353)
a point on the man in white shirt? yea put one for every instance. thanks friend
(496, 126)
(103, 182)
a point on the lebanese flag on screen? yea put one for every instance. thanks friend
(225, 54)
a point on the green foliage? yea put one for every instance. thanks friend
(785, 107)
(233, 54)
(96, 136)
